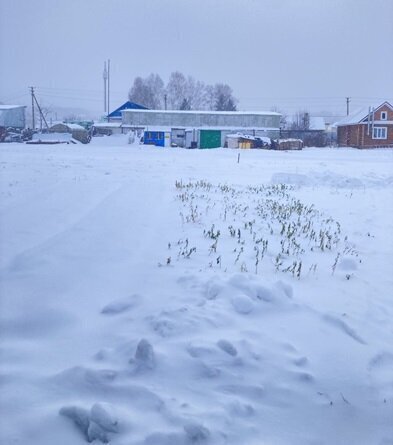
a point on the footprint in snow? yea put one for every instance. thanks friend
(300, 362)
(342, 326)
(227, 347)
(381, 371)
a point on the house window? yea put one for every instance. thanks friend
(384, 115)
(380, 133)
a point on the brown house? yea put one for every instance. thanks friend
(367, 128)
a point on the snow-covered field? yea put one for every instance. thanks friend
(171, 297)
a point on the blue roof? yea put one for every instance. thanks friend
(126, 106)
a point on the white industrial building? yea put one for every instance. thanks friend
(200, 129)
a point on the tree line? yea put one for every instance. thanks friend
(181, 93)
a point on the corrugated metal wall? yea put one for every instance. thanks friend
(197, 119)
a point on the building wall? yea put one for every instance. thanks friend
(197, 119)
(356, 136)
(386, 109)
(13, 117)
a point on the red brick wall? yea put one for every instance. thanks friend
(377, 116)
(368, 141)
(356, 136)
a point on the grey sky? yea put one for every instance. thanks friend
(290, 53)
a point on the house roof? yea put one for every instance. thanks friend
(248, 136)
(126, 106)
(68, 125)
(11, 107)
(360, 115)
(236, 113)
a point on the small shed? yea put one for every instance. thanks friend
(77, 131)
(157, 137)
(238, 140)
(288, 144)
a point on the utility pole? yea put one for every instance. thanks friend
(42, 117)
(165, 100)
(348, 100)
(109, 69)
(32, 108)
(105, 77)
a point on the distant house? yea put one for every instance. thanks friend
(115, 116)
(367, 128)
(12, 116)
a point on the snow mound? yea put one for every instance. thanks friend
(291, 179)
(144, 356)
(242, 304)
(328, 179)
(95, 424)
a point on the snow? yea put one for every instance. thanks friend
(52, 137)
(10, 107)
(258, 113)
(114, 329)
(317, 123)
(73, 126)
(250, 137)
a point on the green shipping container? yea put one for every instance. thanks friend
(209, 138)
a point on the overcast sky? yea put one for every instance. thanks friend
(290, 53)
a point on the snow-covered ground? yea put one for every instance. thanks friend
(168, 296)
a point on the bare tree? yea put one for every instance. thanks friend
(186, 92)
(185, 105)
(197, 94)
(220, 98)
(183, 93)
(148, 92)
(176, 90)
